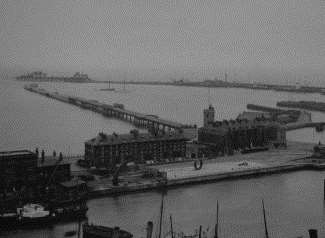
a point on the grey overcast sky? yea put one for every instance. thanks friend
(135, 39)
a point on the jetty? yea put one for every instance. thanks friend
(271, 109)
(116, 111)
(308, 105)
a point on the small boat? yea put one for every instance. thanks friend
(94, 231)
(33, 214)
(70, 233)
(32, 210)
(107, 89)
(254, 150)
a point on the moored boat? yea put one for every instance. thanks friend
(95, 231)
(36, 215)
(254, 150)
(32, 214)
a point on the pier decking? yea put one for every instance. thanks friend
(116, 110)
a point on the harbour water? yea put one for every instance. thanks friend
(28, 120)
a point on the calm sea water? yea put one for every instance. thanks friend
(294, 201)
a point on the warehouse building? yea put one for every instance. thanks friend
(22, 170)
(225, 137)
(109, 150)
(17, 169)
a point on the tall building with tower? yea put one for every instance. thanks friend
(228, 136)
(208, 116)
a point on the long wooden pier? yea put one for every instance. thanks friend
(116, 110)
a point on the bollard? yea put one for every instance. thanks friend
(54, 153)
(312, 233)
(149, 229)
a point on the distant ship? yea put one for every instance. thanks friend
(109, 87)
(42, 77)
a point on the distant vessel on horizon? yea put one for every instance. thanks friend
(39, 76)
(109, 87)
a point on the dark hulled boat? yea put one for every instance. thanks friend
(94, 231)
(254, 150)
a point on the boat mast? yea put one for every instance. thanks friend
(171, 226)
(200, 231)
(79, 226)
(217, 223)
(265, 225)
(161, 214)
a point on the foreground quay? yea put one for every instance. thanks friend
(297, 156)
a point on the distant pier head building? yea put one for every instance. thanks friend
(227, 136)
(109, 150)
(39, 76)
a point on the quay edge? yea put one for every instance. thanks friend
(249, 173)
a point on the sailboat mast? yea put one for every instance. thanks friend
(217, 223)
(161, 215)
(79, 226)
(171, 226)
(265, 225)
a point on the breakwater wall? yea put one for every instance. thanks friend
(308, 105)
(227, 84)
(271, 109)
